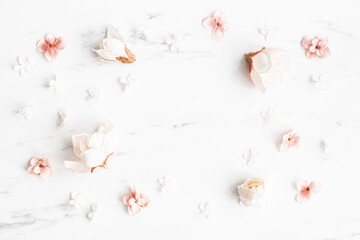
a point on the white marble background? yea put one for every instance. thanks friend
(190, 115)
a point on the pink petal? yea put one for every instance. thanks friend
(303, 196)
(312, 48)
(47, 173)
(208, 23)
(326, 53)
(284, 147)
(225, 25)
(77, 166)
(322, 44)
(301, 185)
(36, 170)
(256, 79)
(217, 34)
(60, 43)
(80, 143)
(34, 161)
(132, 202)
(51, 54)
(315, 187)
(306, 42)
(41, 46)
(319, 52)
(218, 14)
(126, 199)
(133, 210)
(50, 38)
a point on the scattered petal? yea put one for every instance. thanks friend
(40, 166)
(218, 24)
(175, 43)
(316, 46)
(327, 147)
(93, 212)
(51, 46)
(135, 202)
(251, 191)
(289, 140)
(306, 190)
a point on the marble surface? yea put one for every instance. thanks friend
(190, 115)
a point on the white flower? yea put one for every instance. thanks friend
(113, 48)
(167, 184)
(94, 150)
(251, 191)
(175, 43)
(252, 156)
(321, 81)
(141, 33)
(26, 111)
(328, 147)
(55, 85)
(76, 200)
(206, 209)
(93, 212)
(269, 33)
(126, 82)
(62, 119)
(24, 67)
(93, 94)
(269, 116)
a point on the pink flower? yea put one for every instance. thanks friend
(267, 67)
(135, 202)
(217, 24)
(306, 190)
(51, 46)
(289, 140)
(40, 166)
(316, 47)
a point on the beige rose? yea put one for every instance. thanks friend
(251, 190)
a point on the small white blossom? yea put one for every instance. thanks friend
(141, 33)
(167, 184)
(327, 147)
(76, 200)
(175, 43)
(321, 81)
(93, 212)
(269, 116)
(93, 94)
(24, 67)
(56, 85)
(269, 33)
(206, 209)
(126, 82)
(252, 156)
(26, 111)
(62, 119)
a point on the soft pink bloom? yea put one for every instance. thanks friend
(40, 166)
(316, 47)
(51, 46)
(135, 202)
(217, 24)
(306, 190)
(289, 140)
(267, 67)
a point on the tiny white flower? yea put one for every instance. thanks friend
(141, 33)
(76, 200)
(93, 94)
(269, 116)
(56, 85)
(206, 209)
(62, 119)
(167, 184)
(269, 33)
(126, 82)
(321, 81)
(252, 156)
(26, 111)
(327, 147)
(24, 67)
(93, 212)
(175, 43)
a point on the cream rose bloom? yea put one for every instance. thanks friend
(93, 150)
(251, 191)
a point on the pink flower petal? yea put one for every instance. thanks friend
(256, 79)
(225, 25)
(79, 167)
(50, 39)
(60, 43)
(51, 54)
(208, 23)
(134, 209)
(326, 53)
(315, 187)
(217, 34)
(41, 46)
(306, 42)
(218, 14)
(80, 143)
(301, 185)
(47, 173)
(303, 196)
(126, 200)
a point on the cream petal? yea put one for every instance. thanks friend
(256, 79)
(105, 128)
(112, 32)
(281, 62)
(79, 167)
(80, 143)
(47, 173)
(96, 141)
(261, 62)
(93, 157)
(105, 55)
(115, 47)
(111, 141)
(271, 78)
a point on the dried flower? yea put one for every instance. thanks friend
(135, 202)
(40, 166)
(217, 24)
(306, 190)
(289, 140)
(251, 191)
(316, 46)
(51, 46)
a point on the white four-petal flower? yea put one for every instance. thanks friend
(167, 184)
(76, 200)
(62, 119)
(269, 116)
(206, 209)
(93, 94)
(269, 33)
(127, 81)
(321, 81)
(252, 156)
(26, 111)
(94, 208)
(56, 85)
(24, 66)
(175, 43)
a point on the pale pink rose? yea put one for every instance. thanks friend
(135, 202)
(40, 166)
(289, 140)
(51, 46)
(316, 46)
(113, 48)
(217, 24)
(267, 67)
(94, 150)
(251, 191)
(306, 190)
